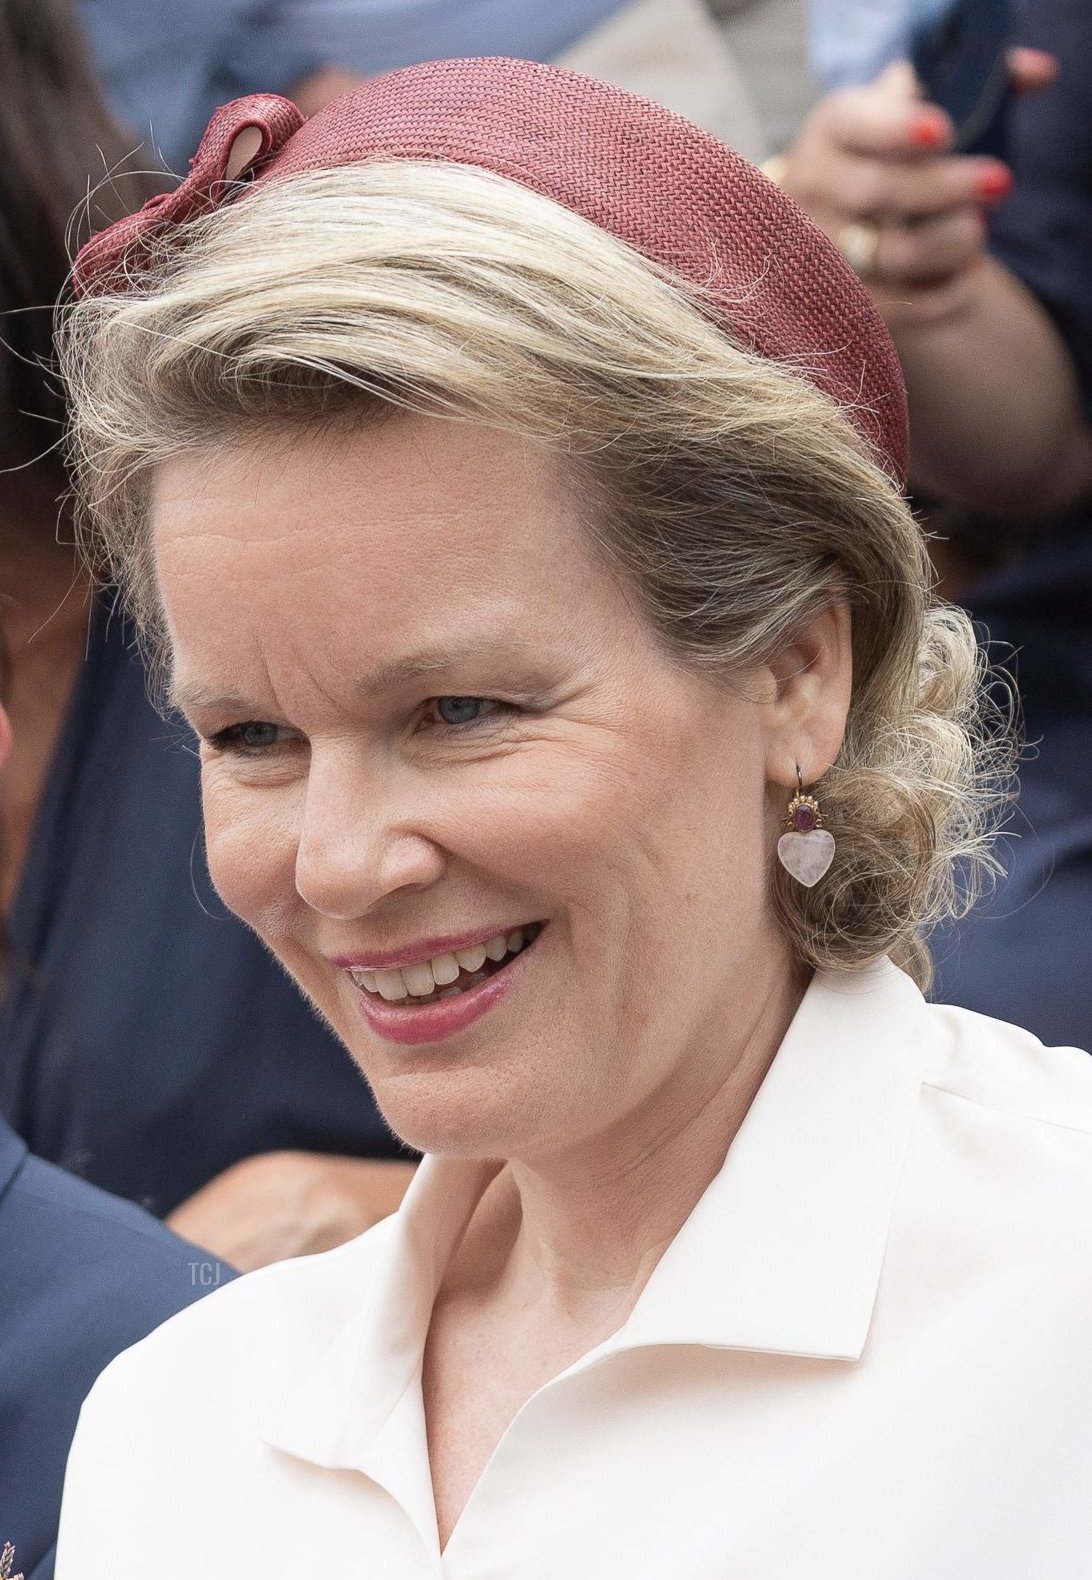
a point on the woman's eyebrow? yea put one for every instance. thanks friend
(440, 656)
(192, 696)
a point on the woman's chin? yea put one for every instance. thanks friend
(464, 1113)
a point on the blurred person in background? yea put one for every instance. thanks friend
(852, 41)
(133, 997)
(82, 1276)
(167, 66)
(983, 271)
(669, 50)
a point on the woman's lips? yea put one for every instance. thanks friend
(412, 1025)
(394, 959)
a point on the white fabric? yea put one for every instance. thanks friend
(866, 1356)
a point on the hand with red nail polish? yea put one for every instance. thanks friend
(874, 167)
(997, 422)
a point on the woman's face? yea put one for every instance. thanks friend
(432, 725)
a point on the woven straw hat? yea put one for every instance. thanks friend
(650, 178)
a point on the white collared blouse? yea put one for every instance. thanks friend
(867, 1355)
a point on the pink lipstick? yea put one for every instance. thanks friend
(415, 1023)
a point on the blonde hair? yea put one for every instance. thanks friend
(733, 496)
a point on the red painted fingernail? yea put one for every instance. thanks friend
(928, 132)
(994, 183)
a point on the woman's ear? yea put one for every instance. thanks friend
(808, 703)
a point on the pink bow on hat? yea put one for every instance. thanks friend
(110, 260)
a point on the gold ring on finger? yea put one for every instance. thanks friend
(858, 243)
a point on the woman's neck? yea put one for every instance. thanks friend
(584, 1229)
(597, 1223)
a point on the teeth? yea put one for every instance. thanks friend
(419, 979)
(445, 968)
(436, 978)
(471, 959)
(391, 985)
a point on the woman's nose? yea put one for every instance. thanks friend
(359, 841)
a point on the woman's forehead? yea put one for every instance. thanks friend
(409, 473)
(417, 545)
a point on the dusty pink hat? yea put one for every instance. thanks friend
(671, 191)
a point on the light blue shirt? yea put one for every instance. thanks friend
(852, 40)
(166, 66)
(381, 35)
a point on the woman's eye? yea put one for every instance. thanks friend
(254, 735)
(462, 710)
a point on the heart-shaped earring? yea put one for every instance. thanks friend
(807, 849)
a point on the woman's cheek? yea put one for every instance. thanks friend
(250, 841)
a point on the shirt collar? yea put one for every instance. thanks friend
(783, 1252)
(339, 1405)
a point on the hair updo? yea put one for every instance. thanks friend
(731, 494)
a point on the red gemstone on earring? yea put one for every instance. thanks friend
(803, 819)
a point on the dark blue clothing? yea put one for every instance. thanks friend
(154, 1042)
(83, 1277)
(1044, 231)
(1024, 956)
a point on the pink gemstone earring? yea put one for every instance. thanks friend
(806, 850)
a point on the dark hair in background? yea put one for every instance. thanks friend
(58, 142)
(5, 686)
